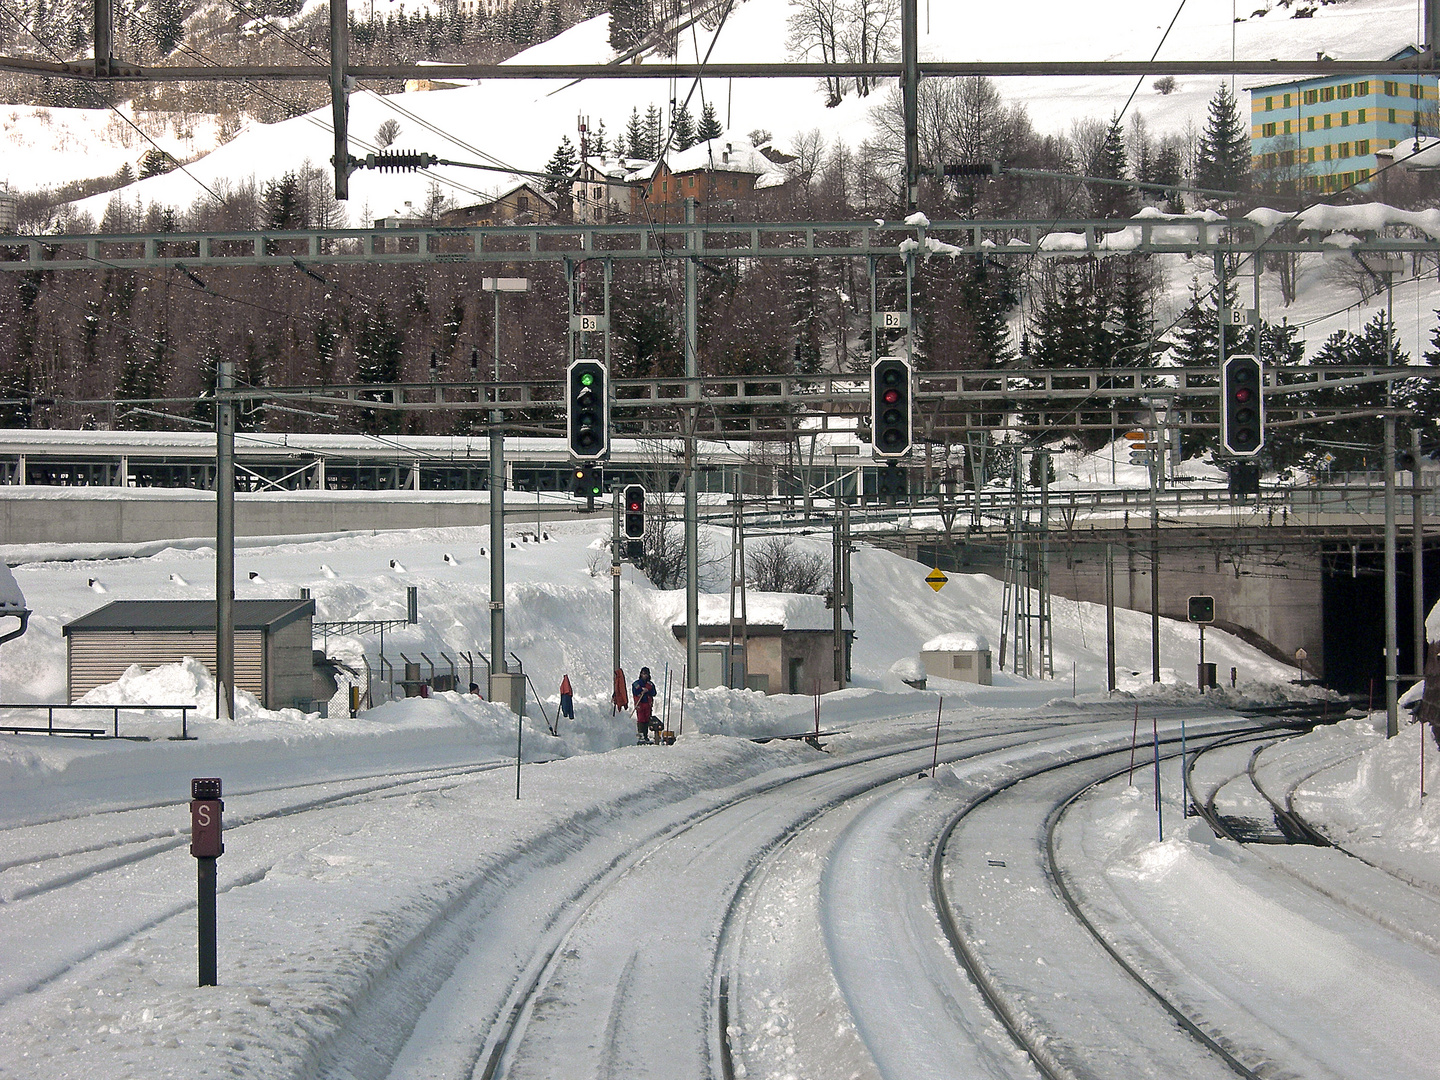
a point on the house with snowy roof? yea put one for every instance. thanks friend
(522, 203)
(727, 171)
(602, 189)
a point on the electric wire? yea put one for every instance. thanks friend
(5, 9)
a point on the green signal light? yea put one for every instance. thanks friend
(587, 379)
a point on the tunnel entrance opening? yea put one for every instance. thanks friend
(1353, 595)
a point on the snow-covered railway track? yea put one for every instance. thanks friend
(39, 858)
(897, 1005)
(1076, 1005)
(623, 977)
(1279, 954)
(61, 871)
(1399, 902)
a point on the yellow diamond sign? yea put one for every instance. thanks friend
(936, 579)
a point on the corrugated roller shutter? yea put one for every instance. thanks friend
(101, 656)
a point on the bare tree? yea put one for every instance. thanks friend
(775, 565)
(868, 36)
(814, 35)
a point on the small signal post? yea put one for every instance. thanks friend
(206, 846)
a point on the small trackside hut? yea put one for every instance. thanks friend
(273, 657)
(961, 656)
(789, 641)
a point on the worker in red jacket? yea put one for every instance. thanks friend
(643, 691)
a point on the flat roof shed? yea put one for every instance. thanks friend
(273, 658)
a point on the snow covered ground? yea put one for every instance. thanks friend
(384, 890)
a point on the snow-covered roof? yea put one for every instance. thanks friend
(728, 153)
(957, 641)
(1423, 153)
(789, 611)
(622, 168)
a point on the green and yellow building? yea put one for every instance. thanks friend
(1320, 135)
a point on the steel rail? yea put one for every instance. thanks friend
(969, 958)
(493, 1058)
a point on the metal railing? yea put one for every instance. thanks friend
(91, 732)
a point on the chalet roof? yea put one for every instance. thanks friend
(734, 154)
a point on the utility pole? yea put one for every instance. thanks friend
(615, 497)
(339, 94)
(1392, 648)
(692, 509)
(910, 93)
(1417, 575)
(498, 665)
(1110, 616)
(224, 541)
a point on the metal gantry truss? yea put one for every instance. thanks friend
(711, 242)
(951, 406)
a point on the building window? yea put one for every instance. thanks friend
(1360, 116)
(1327, 93)
(1345, 119)
(1362, 176)
(1310, 97)
(1310, 123)
(692, 181)
(1362, 148)
(522, 204)
(1312, 153)
(1416, 91)
(1287, 101)
(1267, 130)
(1287, 158)
(1327, 121)
(1344, 150)
(664, 185)
(1391, 117)
(1343, 90)
(1362, 89)
(599, 194)
(1392, 89)
(1269, 104)
(1328, 149)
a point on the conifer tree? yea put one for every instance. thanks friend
(629, 20)
(682, 126)
(654, 133)
(634, 137)
(709, 124)
(1111, 200)
(1222, 160)
(560, 169)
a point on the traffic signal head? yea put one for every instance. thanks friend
(586, 479)
(1201, 609)
(587, 410)
(632, 525)
(890, 407)
(1242, 406)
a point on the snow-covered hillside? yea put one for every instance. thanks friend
(519, 123)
